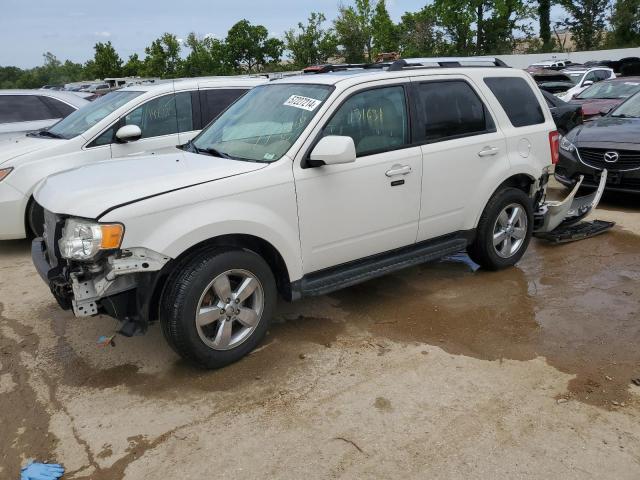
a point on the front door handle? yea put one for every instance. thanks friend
(488, 152)
(398, 170)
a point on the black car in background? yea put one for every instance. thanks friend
(611, 142)
(566, 115)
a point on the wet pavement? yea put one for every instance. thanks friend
(427, 372)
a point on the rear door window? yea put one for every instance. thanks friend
(24, 108)
(214, 102)
(517, 100)
(450, 109)
(61, 109)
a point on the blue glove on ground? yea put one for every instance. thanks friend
(41, 471)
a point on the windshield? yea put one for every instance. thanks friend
(263, 124)
(610, 90)
(575, 77)
(629, 109)
(86, 117)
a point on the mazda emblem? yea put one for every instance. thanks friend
(611, 157)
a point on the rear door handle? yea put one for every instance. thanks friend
(398, 170)
(488, 152)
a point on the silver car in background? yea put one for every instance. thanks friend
(22, 111)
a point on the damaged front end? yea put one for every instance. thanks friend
(562, 221)
(117, 282)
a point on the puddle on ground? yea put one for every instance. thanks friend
(577, 305)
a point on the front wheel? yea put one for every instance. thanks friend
(504, 230)
(218, 307)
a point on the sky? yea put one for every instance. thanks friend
(70, 28)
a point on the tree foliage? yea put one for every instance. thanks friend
(311, 43)
(586, 20)
(361, 30)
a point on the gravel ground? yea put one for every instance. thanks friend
(435, 372)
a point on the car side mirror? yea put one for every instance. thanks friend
(587, 83)
(129, 133)
(333, 150)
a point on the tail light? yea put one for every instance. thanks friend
(554, 144)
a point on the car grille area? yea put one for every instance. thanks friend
(595, 157)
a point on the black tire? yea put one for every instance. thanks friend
(482, 250)
(35, 219)
(182, 294)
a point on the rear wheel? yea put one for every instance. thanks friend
(218, 307)
(504, 230)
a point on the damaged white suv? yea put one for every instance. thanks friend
(303, 186)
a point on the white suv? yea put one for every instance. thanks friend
(582, 78)
(130, 121)
(303, 186)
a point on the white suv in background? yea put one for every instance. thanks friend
(130, 121)
(303, 186)
(583, 78)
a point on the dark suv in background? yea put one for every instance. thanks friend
(611, 142)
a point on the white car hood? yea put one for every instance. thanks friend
(90, 190)
(20, 145)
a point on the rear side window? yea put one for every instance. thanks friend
(184, 112)
(517, 99)
(214, 102)
(61, 109)
(24, 108)
(450, 109)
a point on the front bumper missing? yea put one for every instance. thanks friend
(83, 286)
(554, 219)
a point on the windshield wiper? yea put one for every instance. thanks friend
(623, 115)
(47, 133)
(44, 133)
(213, 152)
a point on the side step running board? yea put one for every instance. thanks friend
(335, 278)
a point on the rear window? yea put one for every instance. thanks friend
(24, 108)
(517, 99)
(214, 102)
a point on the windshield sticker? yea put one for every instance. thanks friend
(269, 156)
(305, 103)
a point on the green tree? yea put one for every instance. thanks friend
(106, 61)
(311, 44)
(249, 47)
(208, 56)
(625, 24)
(419, 35)
(587, 21)
(163, 57)
(506, 18)
(544, 19)
(385, 33)
(355, 32)
(456, 20)
(134, 66)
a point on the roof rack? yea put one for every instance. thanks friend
(446, 62)
(325, 68)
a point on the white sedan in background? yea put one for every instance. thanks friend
(25, 110)
(130, 121)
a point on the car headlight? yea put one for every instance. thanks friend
(567, 146)
(4, 172)
(83, 239)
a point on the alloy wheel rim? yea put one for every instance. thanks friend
(230, 309)
(510, 230)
